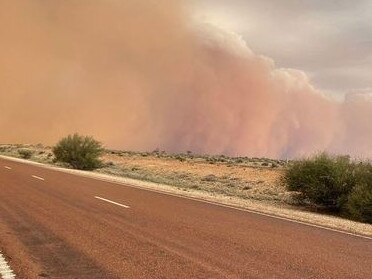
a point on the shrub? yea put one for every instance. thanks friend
(359, 204)
(25, 153)
(80, 152)
(323, 180)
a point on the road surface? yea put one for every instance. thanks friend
(59, 225)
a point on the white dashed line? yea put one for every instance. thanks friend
(116, 203)
(38, 177)
(5, 271)
(8, 168)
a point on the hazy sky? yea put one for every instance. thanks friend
(331, 40)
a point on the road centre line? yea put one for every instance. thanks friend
(38, 177)
(112, 202)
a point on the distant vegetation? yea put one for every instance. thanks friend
(80, 152)
(210, 159)
(333, 183)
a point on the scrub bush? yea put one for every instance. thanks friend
(323, 180)
(81, 152)
(25, 153)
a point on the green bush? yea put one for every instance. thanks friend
(334, 183)
(323, 180)
(25, 153)
(359, 205)
(80, 152)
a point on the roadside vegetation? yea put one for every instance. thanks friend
(335, 184)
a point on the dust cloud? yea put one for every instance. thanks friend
(141, 74)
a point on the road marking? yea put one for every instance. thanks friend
(38, 177)
(8, 168)
(5, 271)
(116, 203)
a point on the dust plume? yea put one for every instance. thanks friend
(142, 75)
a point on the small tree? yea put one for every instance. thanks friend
(81, 152)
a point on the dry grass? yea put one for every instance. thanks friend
(242, 180)
(39, 153)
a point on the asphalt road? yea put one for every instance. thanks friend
(58, 225)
